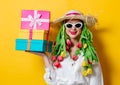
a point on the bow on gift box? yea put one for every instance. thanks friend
(34, 20)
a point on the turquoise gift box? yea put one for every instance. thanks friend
(34, 45)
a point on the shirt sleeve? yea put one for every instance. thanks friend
(97, 77)
(50, 75)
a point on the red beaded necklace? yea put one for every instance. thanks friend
(60, 58)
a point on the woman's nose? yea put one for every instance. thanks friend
(73, 28)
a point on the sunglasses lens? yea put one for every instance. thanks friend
(69, 25)
(78, 25)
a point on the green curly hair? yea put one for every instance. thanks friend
(85, 38)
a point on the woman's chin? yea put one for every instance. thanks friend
(73, 37)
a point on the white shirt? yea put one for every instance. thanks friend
(70, 73)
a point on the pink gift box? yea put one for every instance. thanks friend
(35, 19)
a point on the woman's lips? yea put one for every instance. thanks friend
(73, 33)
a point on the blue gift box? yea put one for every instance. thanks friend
(35, 45)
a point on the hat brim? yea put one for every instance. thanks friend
(89, 20)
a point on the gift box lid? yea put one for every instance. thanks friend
(35, 19)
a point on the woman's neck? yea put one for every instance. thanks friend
(74, 42)
(73, 47)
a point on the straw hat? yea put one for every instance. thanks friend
(73, 14)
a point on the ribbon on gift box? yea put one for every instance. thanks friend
(30, 38)
(34, 20)
(28, 46)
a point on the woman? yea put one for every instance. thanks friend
(74, 60)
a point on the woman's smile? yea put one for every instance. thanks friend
(73, 32)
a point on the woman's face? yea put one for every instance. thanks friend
(73, 28)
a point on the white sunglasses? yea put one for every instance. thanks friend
(75, 25)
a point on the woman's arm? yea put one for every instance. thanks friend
(97, 77)
(50, 74)
(46, 61)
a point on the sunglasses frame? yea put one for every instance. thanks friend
(73, 25)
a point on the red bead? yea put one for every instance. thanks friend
(89, 62)
(68, 42)
(74, 57)
(79, 45)
(57, 64)
(67, 48)
(60, 58)
(53, 58)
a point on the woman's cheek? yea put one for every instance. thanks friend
(79, 32)
(67, 32)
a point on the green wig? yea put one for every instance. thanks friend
(85, 38)
(89, 51)
(60, 42)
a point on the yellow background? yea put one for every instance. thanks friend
(21, 68)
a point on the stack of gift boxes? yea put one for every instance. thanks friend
(34, 32)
